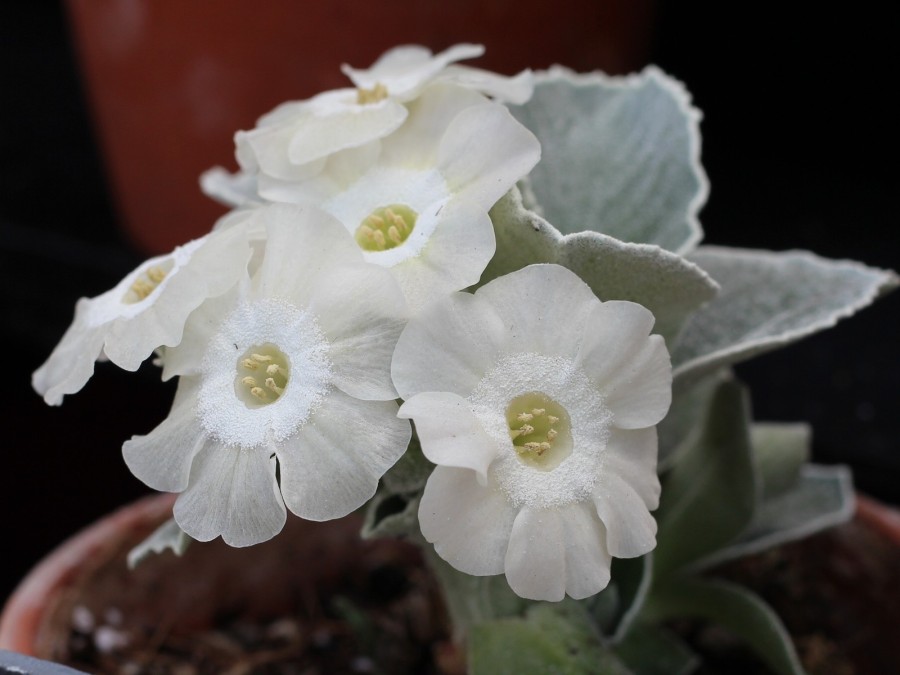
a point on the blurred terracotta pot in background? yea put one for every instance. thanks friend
(170, 82)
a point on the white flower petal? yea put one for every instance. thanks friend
(448, 347)
(232, 493)
(536, 558)
(587, 569)
(333, 464)
(303, 245)
(544, 308)
(417, 142)
(130, 327)
(468, 524)
(614, 333)
(162, 459)
(459, 248)
(640, 392)
(449, 432)
(631, 530)
(404, 69)
(230, 189)
(187, 357)
(627, 489)
(514, 90)
(485, 151)
(351, 126)
(361, 317)
(71, 363)
(631, 455)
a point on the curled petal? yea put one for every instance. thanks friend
(450, 433)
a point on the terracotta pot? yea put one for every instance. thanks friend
(170, 82)
(210, 581)
(304, 569)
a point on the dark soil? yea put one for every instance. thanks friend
(345, 606)
(341, 606)
(838, 594)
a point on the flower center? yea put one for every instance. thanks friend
(146, 282)
(262, 375)
(366, 96)
(540, 430)
(386, 227)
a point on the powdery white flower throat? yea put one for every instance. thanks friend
(266, 371)
(549, 425)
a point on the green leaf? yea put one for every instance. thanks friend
(391, 515)
(550, 640)
(687, 417)
(663, 282)
(650, 650)
(821, 498)
(472, 600)
(167, 536)
(410, 472)
(769, 300)
(779, 450)
(709, 496)
(633, 579)
(733, 607)
(620, 155)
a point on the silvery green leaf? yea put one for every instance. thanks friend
(166, 536)
(472, 600)
(709, 496)
(769, 300)
(620, 155)
(411, 470)
(604, 608)
(663, 282)
(822, 497)
(389, 514)
(735, 608)
(650, 650)
(686, 418)
(779, 450)
(551, 638)
(633, 578)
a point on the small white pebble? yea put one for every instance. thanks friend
(107, 639)
(82, 619)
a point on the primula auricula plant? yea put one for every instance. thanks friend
(476, 306)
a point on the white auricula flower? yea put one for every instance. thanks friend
(145, 311)
(291, 142)
(538, 402)
(285, 395)
(417, 201)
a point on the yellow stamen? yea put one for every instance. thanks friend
(366, 96)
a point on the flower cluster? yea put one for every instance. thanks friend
(337, 285)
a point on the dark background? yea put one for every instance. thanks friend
(797, 133)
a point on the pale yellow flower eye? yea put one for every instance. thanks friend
(540, 430)
(386, 227)
(263, 373)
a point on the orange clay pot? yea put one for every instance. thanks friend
(170, 82)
